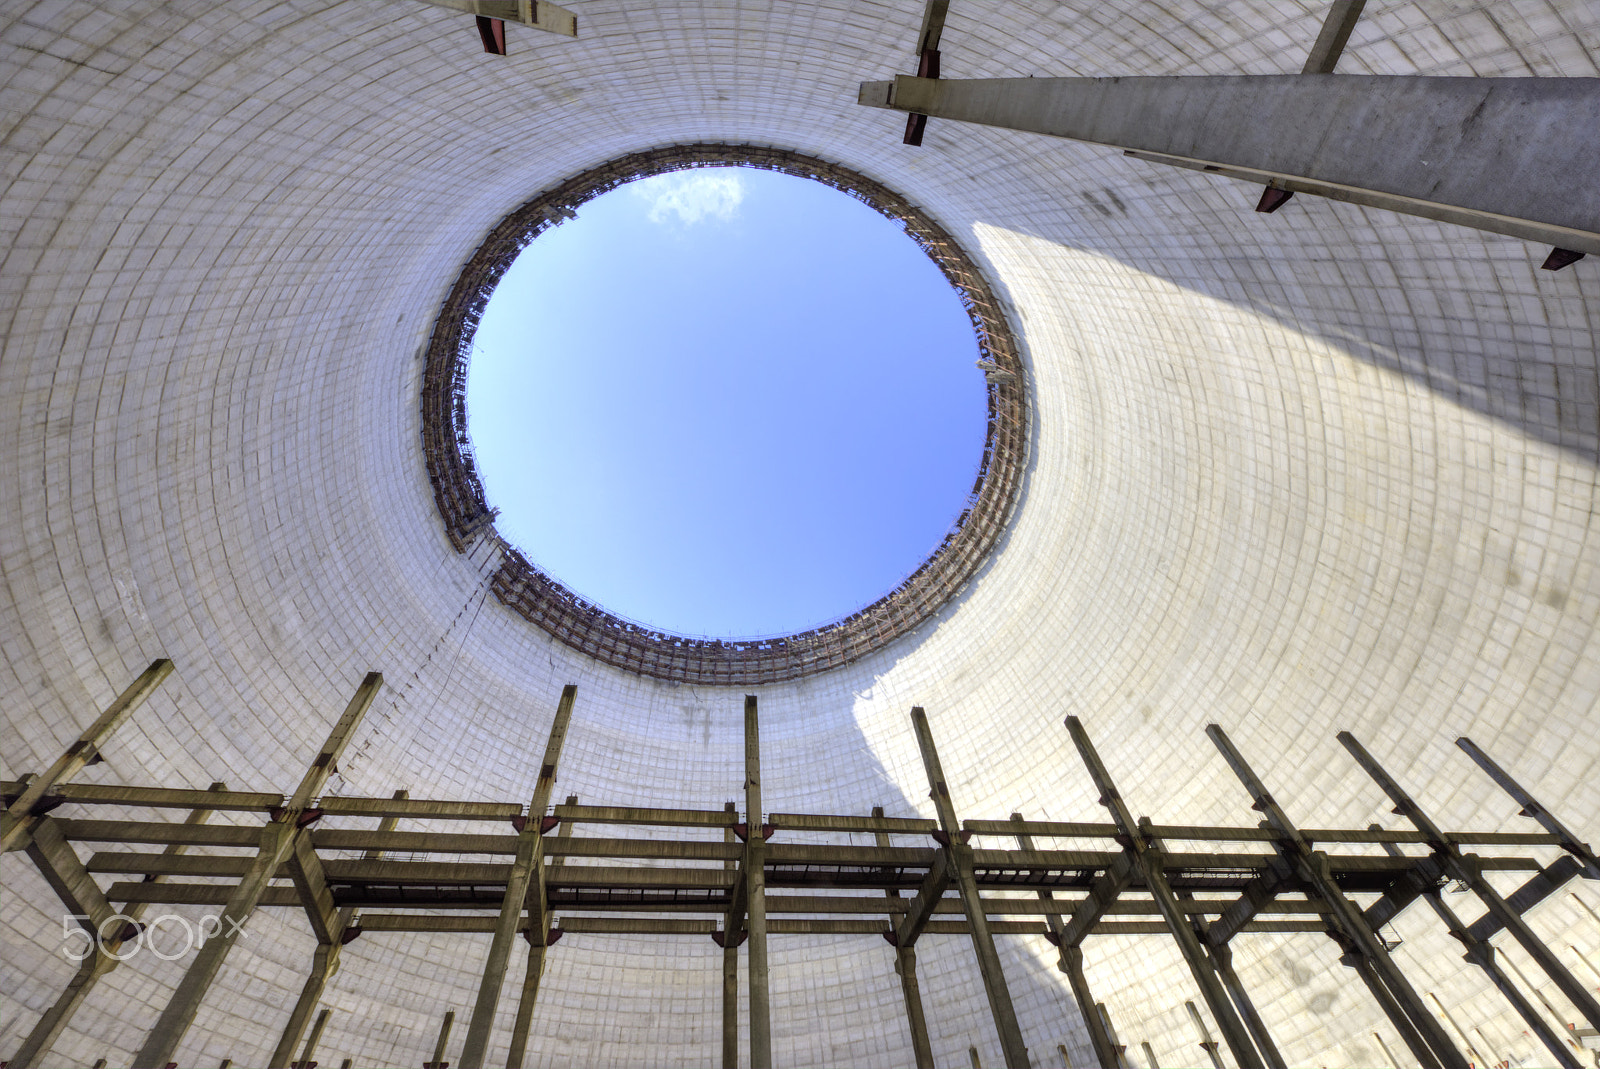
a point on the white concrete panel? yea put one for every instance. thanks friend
(1330, 468)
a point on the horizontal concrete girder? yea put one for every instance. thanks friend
(1510, 155)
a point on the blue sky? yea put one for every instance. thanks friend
(726, 402)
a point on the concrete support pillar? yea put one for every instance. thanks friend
(755, 876)
(442, 1043)
(527, 875)
(730, 1007)
(1150, 862)
(1222, 960)
(538, 937)
(1071, 963)
(1207, 1044)
(1433, 147)
(1420, 1047)
(1119, 1050)
(14, 822)
(50, 1026)
(905, 967)
(730, 973)
(959, 856)
(1336, 26)
(277, 843)
(307, 1055)
(324, 963)
(1482, 955)
(1105, 1048)
(1465, 868)
(1364, 951)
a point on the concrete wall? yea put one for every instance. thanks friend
(1327, 469)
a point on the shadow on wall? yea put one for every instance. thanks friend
(1467, 314)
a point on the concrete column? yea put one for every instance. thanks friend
(277, 843)
(755, 876)
(1434, 147)
(1071, 963)
(1207, 1044)
(306, 1055)
(730, 976)
(538, 949)
(905, 966)
(1420, 1048)
(50, 1026)
(1482, 955)
(960, 860)
(324, 963)
(14, 822)
(730, 1007)
(1369, 956)
(527, 870)
(1105, 1048)
(443, 1041)
(1465, 868)
(1150, 863)
(1118, 1048)
(1336, 27)
(1222, 960)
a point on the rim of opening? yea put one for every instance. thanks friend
(517, 583)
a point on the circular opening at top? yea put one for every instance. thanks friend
(726, 402)
(761, 361)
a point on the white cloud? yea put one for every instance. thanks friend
(693, 195)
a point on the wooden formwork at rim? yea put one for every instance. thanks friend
(519, 584)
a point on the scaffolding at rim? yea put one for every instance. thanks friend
(519, 584)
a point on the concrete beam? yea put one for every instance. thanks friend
(1532, 809)
(18, 816)
(905, 967)
(1481, 954)
(1539, 887)
(961, 859)
(927, 900)
(1149, 863)
(58, 863)
(1464, 867)
(872, 824)
(1364, 951)
(534, 929)
(276, 844)
(536, 14)
(1510, 155)
(754, 872)
(616, 814)
(1100, 900)
(524, 879)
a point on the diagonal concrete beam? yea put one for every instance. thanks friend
(18, 816)
(1510, 155)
